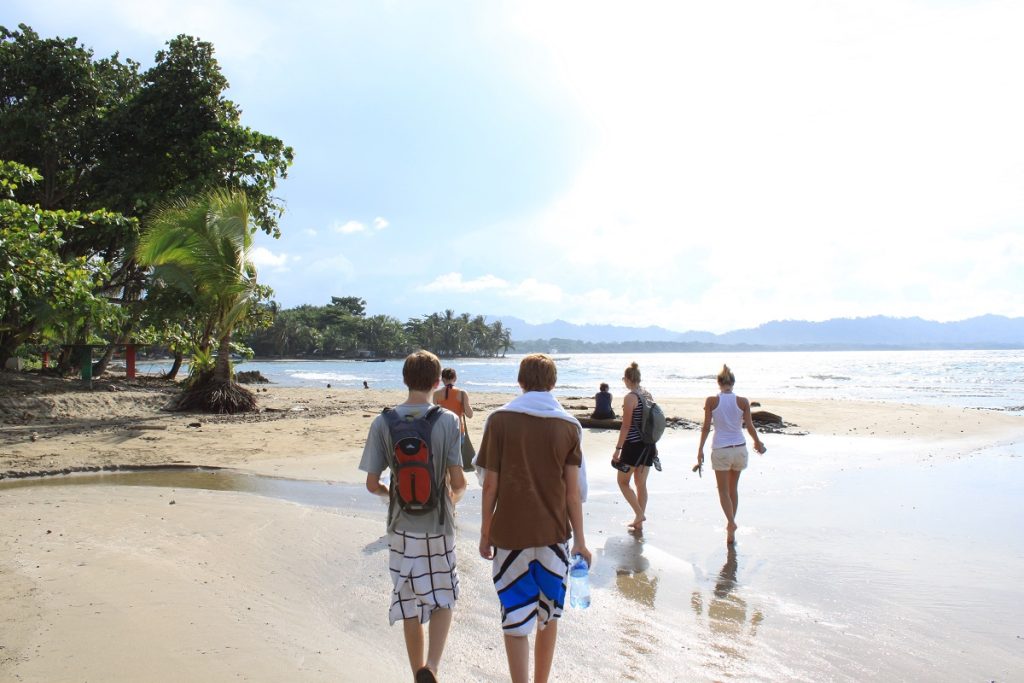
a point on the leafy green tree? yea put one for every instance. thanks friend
(42, 293)
(180, 136)
(383, 336)
(201, 247)
(54, 101)
(105, 135)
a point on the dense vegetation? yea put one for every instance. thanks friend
(341, 329)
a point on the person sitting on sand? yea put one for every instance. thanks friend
(532, 503)
(632, 457)
(730, 414)
(603, 404)
(422, 547)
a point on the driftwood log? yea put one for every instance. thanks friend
(591, 423)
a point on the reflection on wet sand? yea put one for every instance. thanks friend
(631, 569)
(633, 583)
(727, 613)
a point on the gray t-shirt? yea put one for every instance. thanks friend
(445, 444)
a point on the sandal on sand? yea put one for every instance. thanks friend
(425, 675)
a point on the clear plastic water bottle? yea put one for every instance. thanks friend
(579, 583)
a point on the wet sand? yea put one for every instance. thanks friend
(860, 556)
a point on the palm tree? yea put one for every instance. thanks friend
(201, 246)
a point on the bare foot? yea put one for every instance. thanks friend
(731, 535)
(637, 524)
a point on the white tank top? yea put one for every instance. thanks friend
(728, 421)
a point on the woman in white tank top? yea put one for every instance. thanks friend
(730, 414)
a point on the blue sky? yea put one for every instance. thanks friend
(694, 165)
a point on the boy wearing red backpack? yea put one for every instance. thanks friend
(420, 444)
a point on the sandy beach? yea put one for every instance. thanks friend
(170, 582)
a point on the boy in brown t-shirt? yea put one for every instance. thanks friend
(531, 507)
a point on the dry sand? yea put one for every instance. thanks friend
(119, 584)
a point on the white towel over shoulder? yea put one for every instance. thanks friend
(544, 404)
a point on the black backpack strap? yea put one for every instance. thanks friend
(432, 416)
(389, 419)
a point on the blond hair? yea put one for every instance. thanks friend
(632, 373)
(725, 377)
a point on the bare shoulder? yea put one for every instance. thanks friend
(710, 403)
(743, 402)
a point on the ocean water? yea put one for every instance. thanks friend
(972, 379)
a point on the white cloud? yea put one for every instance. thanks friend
(350, 227)
(453, 282)
(787, 160)
(533, 290)
(310, 232)
(263, 257)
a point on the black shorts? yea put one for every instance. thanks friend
(637, 454)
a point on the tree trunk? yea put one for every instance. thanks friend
(11, 340)
(173, 372)
(100, 366)
(222, 370)
(5, 354)
(65, 360)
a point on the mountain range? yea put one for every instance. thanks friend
(987, 331)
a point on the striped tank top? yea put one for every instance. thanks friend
(634, 435)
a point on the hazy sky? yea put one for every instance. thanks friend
(694, 165)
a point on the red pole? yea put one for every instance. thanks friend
(129, 361)
(46, 359)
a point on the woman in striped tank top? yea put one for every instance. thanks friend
(730, 414)
(632, 457)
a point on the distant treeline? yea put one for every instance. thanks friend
(342, 329)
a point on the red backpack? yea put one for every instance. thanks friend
(413, 484)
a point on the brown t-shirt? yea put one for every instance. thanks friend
(529, 454)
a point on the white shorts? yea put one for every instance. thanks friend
(729, 458)
(422, 573)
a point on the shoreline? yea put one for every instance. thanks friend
(54, 427)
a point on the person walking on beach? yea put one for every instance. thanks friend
(729, 414)
(422, 545)
(632, 457)
(457, 401)
(532, 504)
(603, 404)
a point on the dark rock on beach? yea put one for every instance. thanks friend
(251, 377)
(761, 417)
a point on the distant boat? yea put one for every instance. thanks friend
(372, 360)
